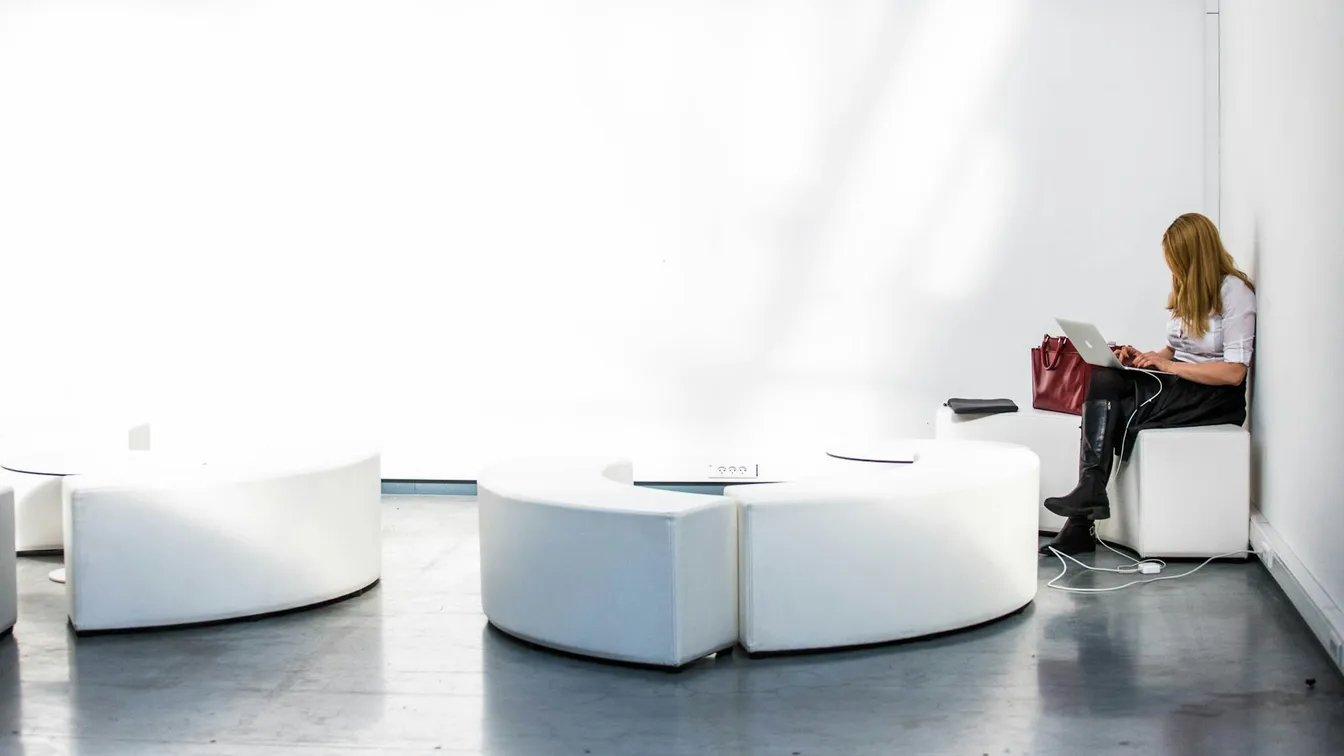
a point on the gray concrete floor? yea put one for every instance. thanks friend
(1214, 664)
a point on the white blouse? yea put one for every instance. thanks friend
(1231, 334)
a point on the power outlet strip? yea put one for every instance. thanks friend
(734, 472)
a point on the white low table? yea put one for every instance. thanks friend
(37, 501)
(39, 480)
(37, 477)
(877, 452)
(44, 447)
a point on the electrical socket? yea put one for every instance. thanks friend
(1337, 649)
(1267, 556)
(734, 472)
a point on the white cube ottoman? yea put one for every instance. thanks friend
(1054, 437)
(1185, 492)
(576, 558)
(9, 588)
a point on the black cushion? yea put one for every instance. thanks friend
(981, 406)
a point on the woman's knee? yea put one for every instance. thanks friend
(1106, 383)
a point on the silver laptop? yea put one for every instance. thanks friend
(1094, 348)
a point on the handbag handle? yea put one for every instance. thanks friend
(1051, 361)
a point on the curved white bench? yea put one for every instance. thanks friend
(945, 543)
(1054, 436)
(37, 511)
(153, 541)
(9, 586)
(576, 558)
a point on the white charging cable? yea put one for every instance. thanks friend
(1125, 436)
(1138, 566)
(1143, 566)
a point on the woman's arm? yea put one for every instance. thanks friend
(1208, 373)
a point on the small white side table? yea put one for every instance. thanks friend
(45, 467)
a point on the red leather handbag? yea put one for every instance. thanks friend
(1059, 376)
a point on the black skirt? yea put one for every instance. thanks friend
(1178, 404)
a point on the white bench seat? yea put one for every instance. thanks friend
(1054, 436)
(899, 552)
(155, 541)
(576, 558)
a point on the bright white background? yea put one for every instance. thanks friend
(666, 229)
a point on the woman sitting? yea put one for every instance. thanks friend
(1210, 337)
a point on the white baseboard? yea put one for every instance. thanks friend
(1323, 615)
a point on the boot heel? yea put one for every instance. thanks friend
(1076, 537)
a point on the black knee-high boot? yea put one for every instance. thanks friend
(1076, 537)
(1096, 455)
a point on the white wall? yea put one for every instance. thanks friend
(1283, 197)
(662, 228)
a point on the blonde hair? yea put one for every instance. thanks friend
(1199, 263)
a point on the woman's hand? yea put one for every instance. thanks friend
(1127, 354)
(1153, 361)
